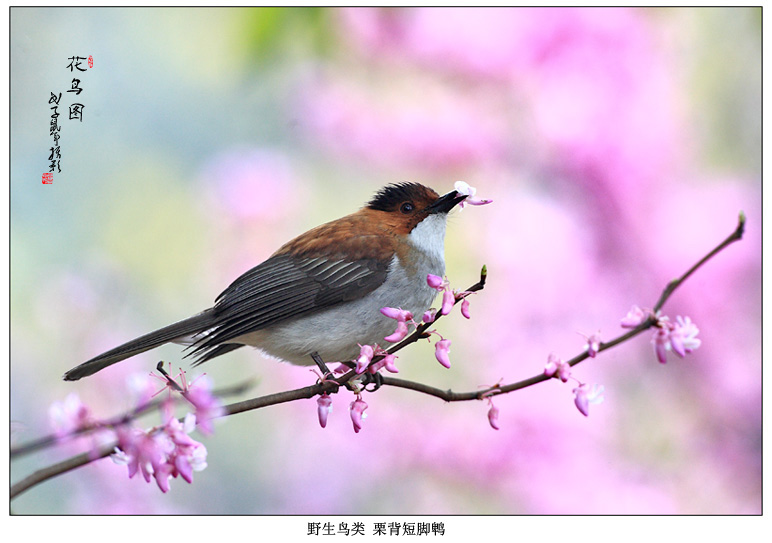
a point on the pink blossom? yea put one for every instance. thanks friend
(683, 338)
(464, 188)
(208, 406)
(661, 343)
(188, 455)
(429, 315)
(465, 308)
(448, 297)
(186, 464)
(441, 350)
(401, 316)
(448, 301)
(142, 452)
(161, 453)
(162, 475)
(552, 365)
(634, 317)
(358, 407)
(493, 416)
(435, 281)
(399, 334)
(340, 369)
(585, 395)
(365, 357)
(397, 314)
(324, 408)
(680, 336)
(593, 344)
(556, 365)
(386, 362)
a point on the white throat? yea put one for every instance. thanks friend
(429, 236)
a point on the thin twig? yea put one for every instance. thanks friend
(675, 283)
(60, 468)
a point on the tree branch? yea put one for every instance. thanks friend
(52, 471)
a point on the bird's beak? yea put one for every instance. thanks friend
(445, 203)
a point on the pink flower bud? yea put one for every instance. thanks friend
(593, 344)
(162, 476)
(365, 357)
(399, 334)
(677, 344)
(564, 371)
(397, 314)
(683, 338)
(557, 366)
(208, 407)
(493, 417)
(633, 318)
(551, 367)
(340, 369)
(429, 315)
(448, 300)
(389, 363)
(580, 400)
(434, 281)
(464, 188)
(584, 395)
(385, 362)
(661, 342)
(391, 312)
(358, 407)
(324, 408)
(465, 308)
(183, 467)
(441, 350)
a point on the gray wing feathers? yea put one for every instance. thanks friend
(283, 287)
(280, 288)
(193, 325)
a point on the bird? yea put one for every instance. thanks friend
(320, 293)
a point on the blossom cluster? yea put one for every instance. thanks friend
(161, 452)
(403, 318)
(679, 337)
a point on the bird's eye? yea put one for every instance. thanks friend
(406, 208)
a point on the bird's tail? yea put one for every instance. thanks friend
(193, 325)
